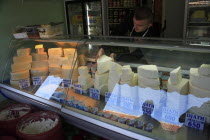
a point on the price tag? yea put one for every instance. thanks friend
(94, 93)
(78, 88)
(107, 96)
(24, 83)
(67, 83)
(111, 98)
(147, 108)
(170, 115)
(127, 103)
(37, 80)
(194, 121)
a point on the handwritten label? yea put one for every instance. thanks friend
(127, 103)
(170, 115)
(78, 88)
(37, 80)
(67, 83)
(94, 93)
(111, 99)
(24, 83)
(194, 121)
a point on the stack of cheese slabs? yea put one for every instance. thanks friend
(21, 66)
(128, 76)
(85, 79)
(40, 63)
(148, 77)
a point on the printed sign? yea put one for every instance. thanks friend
(170, 115)
(127, 103)
(147, 108)
(194, 121)
(37, 80)
(111, 98)
(78, 88)
(94, 93)
(67, 83)
(24, 83)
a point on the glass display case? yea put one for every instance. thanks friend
(118, 88)
(197, 19)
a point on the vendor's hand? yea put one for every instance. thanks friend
(113, 56)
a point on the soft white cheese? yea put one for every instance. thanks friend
(182, 87)
(143, 86)
(103, 64)
(100, 79)
(204, 69)
(149, 81)
(83, 80)
(199, 92)
(127, 74)
(148, 71)
(83, 70)
(176, 76)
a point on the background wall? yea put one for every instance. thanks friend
(25, 12)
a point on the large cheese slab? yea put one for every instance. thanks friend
(149, 81)
(127, 74)
(23, 51)
(176, 76)
(115, 76)
(20, 75)
(39, 57)
(103, 64)
(69, 51)
(36, 64)
(115, 66)
(100, 79)
(143, 86)
(83, 70)
(83, 80)
(42, 71)
(182, 87)
(55, 60)
(148, 71)
(204, 69)
(199, 80)
(21, 66)
(199, 92)
(22, 59)
(55, 52)
(55, 69)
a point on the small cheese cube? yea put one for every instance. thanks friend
(39, 57)
(103, 64)
(204, 69)
(69, 51)
(23, 51)
(100, 79)
(55, 69)
(176, 76)
(155, 88)
(55, 60)
(55, 52)
(83, 70)
(22, 59)
(21, 66)
(149, 81)
(148, 71)
(83, 80)
(199, 80)
(199, 92)
(20, 75)
(36, 64)
(42, 71)
(182, 87)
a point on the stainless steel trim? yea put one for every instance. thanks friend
(104, 5)
(105, 125)
(58, 106)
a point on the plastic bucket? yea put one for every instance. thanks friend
(9, 117)
(33, 127)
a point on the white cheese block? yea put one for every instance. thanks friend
(23, 51)
(149, 81)
(127, 74)
(111, 85)
(55, 52)
(155, 88)
(55, 69)
(199, 92)
(36, 64)
(66, 73)
(199, 80)
(69, 51)
(100, 79)
(103, 64)
(83, 70)
(40, 51)
(15, 83)
(21, 66)
(42, 71)
(22, 59)
(83, 80)
(134, 81)
(82, 60)
(176, 76)
(204, 69)
(115, 76)
(55, 60)
(39, 57)
(20, 75)
(182, 87)
(148, 71)
(115, 66)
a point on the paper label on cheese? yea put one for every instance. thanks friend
(37, 80)
(24, 83)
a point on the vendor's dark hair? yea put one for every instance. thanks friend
(142, 13)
